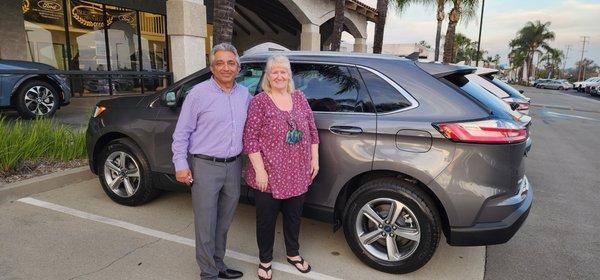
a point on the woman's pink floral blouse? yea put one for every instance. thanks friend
(287, 165)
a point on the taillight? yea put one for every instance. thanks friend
(523, 105)
(486, 131)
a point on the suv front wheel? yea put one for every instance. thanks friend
(391, 225)
(125, 173)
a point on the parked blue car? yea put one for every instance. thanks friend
(32, 95)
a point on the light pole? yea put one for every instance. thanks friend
(479, 40)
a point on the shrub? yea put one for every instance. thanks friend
(22, 140)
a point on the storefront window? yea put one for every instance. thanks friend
(123, 47)
(154, 48)
(45, 32)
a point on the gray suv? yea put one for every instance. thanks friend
(408, 151)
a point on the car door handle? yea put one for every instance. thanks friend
(346, 130)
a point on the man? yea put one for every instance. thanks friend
(210, 128)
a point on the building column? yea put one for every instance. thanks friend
(12, 31)
(310, 39)
(186, 26)
(360, 45)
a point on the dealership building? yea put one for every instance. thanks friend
(160, 36)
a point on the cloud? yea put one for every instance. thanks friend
(502, 19)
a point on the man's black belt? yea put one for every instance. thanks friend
(216, 159)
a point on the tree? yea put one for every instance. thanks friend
(586, 67)
(382, 8)
(517, 58)
(223, 21)
(338, 24)
(440, 4)
(466, 7)
(531, 40)
(553, 58)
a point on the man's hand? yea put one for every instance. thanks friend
(184, 176)
(262, 179)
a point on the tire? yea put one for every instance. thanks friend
(418, 216)
(36, 98)
(128, 189)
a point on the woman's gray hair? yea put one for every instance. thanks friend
(224, 47)
(282, 61)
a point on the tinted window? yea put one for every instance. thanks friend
(328, 88)
(487, 85)
(496, 105)
(506, 87)
(385, 97)
(249, 76)
(185, 88)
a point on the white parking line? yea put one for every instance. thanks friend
(165, 236)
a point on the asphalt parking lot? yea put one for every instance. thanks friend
(76, 232)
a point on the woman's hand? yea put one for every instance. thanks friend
(262, 179)
(314, 168)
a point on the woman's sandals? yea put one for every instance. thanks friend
(301, 262)
(265, 269)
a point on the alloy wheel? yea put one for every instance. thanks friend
(39, 100)
(122, 174)
(388, 229)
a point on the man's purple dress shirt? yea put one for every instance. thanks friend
(211, 123)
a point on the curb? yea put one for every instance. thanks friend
(16, 190)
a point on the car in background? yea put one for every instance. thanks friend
(537, 82)
(485, 78)
(580, 86)
(556, 84)
(409, 151)
(32, 95)
(593, 88)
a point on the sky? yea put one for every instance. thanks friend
(570, 20)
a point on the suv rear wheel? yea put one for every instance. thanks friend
(391, 225)
(125, 173)
(36, 98)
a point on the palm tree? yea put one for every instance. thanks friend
(338, 24)
(553, 58)
(531, 39)
(440, 4)
(464, 8)
(517, 58)
(382, 8)
(223, 21)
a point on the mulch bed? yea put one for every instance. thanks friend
(30, 169)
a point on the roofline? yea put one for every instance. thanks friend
(322, 53)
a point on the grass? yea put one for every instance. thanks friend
(40, 139)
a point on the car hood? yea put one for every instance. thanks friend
(20, 64)
(123, 102)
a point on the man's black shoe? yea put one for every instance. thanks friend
(230, 274)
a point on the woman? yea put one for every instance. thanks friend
(282, 143)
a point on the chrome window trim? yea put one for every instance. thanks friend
(413, 102)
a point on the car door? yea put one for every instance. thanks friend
(166, 118)
(346, 122)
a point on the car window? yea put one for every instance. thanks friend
(250, 75)
(487, 85)
(385, 97)
(187, 87)
(328, 88)
(498, 107)
(507, 88)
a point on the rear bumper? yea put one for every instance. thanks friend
(499, 232)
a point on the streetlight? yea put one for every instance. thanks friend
(479, 40)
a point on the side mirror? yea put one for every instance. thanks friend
(521, 91)
(170, 99)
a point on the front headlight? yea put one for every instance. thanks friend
(99, 110)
